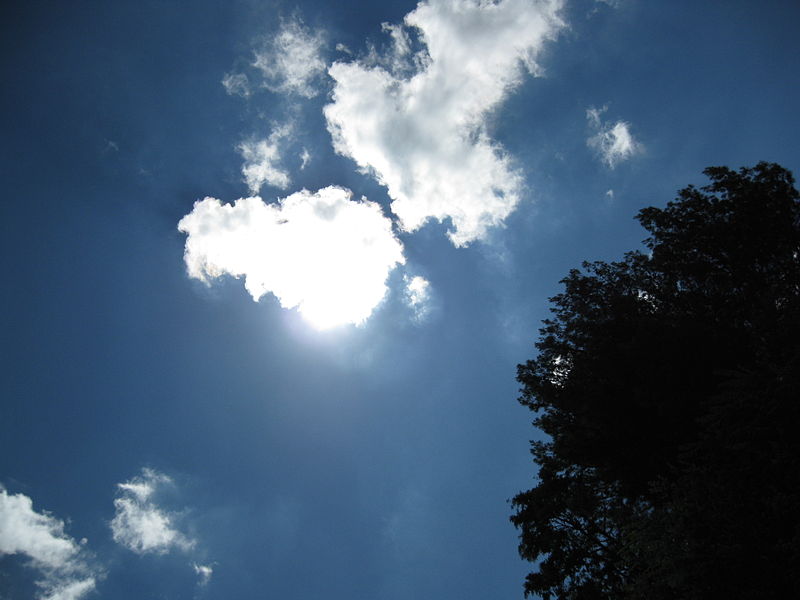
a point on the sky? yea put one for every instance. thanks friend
(269, 268)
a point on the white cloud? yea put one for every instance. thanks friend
(70, 590)
(291, 62)
(204, 572)
(613, 142)
(262, 160)
(417, 119)
(305, 158)
(37, 535)
(139, 524)
(41, 538)
(323, 253)
(418, 290)
(236, 84)
(418, 295)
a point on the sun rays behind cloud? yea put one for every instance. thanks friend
(413, 116)
(323, 253)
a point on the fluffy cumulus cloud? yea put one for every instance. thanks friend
(292, 61)
(323, 253)
(612, 141)
(139, 523)
(415, 117)
(41, 538)
(262, 160)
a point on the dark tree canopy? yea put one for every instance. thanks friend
(668, 386)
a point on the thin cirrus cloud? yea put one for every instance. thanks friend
(292, 61)
(417, 120)
(322, 253)
(61, 562)
(612, 141)
(139, 524)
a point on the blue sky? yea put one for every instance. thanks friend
(269, 268)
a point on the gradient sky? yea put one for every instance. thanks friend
(419, 179)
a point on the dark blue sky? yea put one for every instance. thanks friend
(370, 461)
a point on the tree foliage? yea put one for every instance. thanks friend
(667, 384)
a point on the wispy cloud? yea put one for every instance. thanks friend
(612, 141)
(418, 296)
(39, 536)
(416, 119)
(236, 84)
(611, 3)
(292, 61)
(139, 524)
(204, 573)
(305, 158)
(263, 158)
(324, 253)
(70, 589)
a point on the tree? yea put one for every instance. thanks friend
(667, 384)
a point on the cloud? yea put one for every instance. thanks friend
(322, 252)
(262, 160)
(292, 62)
(417, 119)
(236, 84)
(418, 295)
(70, 590)
(139, 524)
(204, 573)
(41, 537)
(305, 158)
(613, 142)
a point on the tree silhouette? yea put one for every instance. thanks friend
(667, 384)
